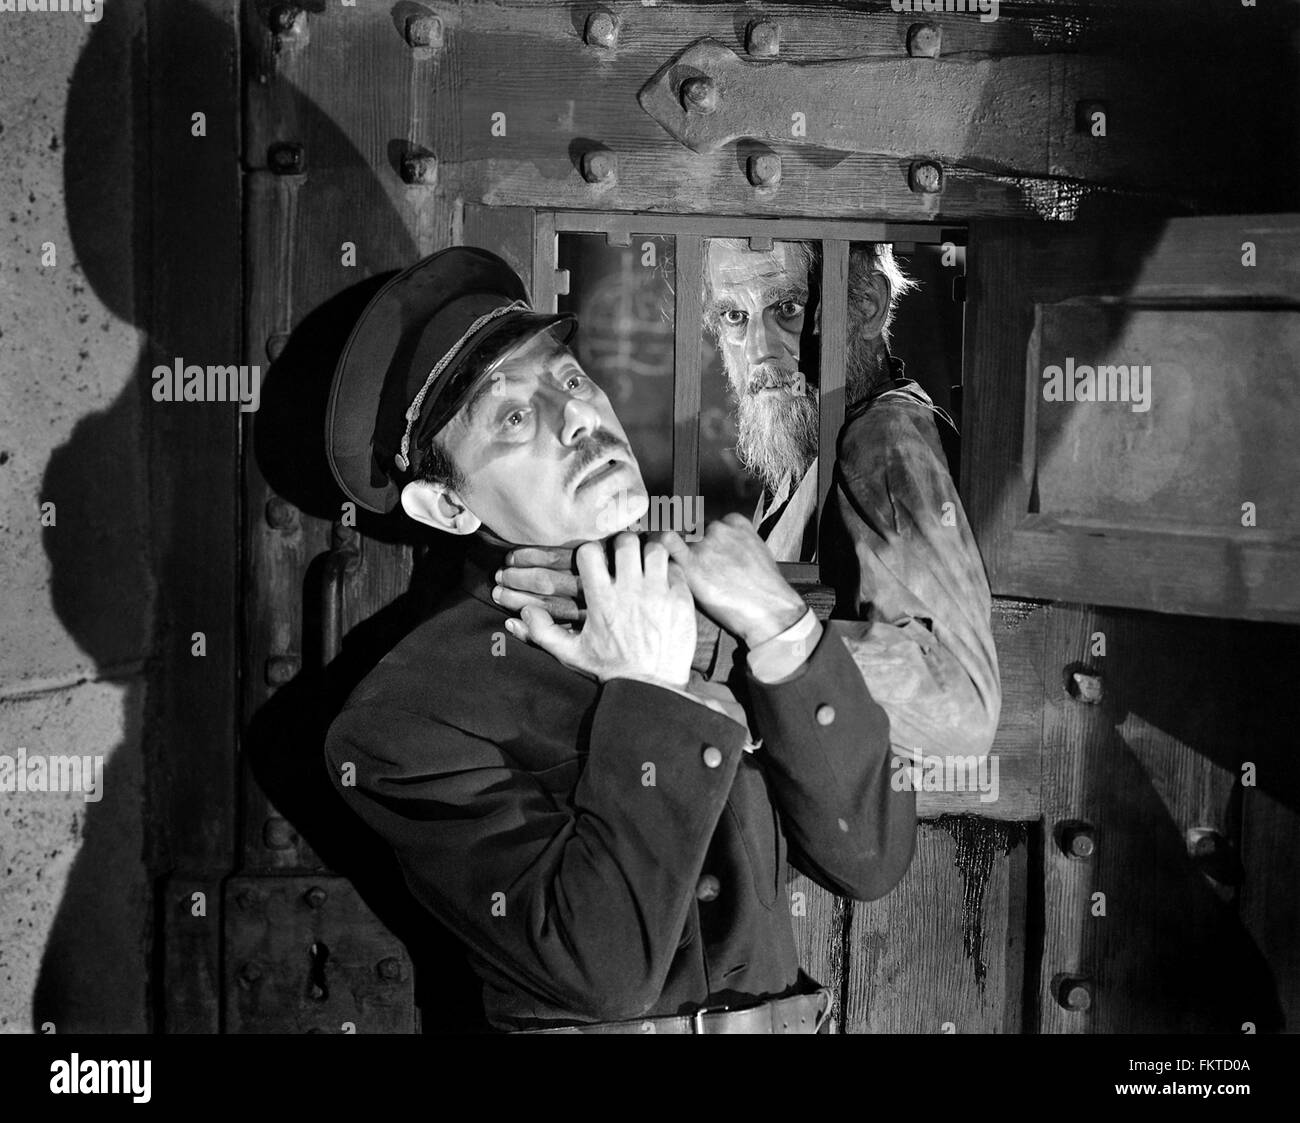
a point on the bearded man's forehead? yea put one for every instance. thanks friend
(735, 265)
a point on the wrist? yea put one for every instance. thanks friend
(774, 621)
(666, 681)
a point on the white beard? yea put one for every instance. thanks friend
(776, 435)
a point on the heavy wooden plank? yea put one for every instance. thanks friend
(1011, 778)
(1268, 709)
(820, 923)
(193, 285)
(304, 298)
(560, 96)
(943, 952)
(1148, 763)
(191, 982)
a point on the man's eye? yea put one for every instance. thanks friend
(790, 308)
(733, 317)
(513, 419)
(576, 382)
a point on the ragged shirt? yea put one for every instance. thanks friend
(895, 545)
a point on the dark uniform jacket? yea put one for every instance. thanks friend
(613, 851)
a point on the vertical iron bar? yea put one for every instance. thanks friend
(688, 318)
(834, 343)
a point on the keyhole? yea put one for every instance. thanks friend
(317, 987)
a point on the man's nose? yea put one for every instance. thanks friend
(580, 420)
(763, 342)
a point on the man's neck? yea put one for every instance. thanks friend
(869, 373)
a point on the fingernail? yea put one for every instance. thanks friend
(496, 592)
(497, 577)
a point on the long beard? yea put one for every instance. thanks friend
(776, 435)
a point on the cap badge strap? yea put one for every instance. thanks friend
(403, 458)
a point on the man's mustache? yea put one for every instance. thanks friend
(770, 377)
(590, 450)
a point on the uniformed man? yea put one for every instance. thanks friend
(607, 835)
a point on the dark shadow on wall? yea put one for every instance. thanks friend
(88, 979)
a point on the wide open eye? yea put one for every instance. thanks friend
(789, 309)
(733, 317)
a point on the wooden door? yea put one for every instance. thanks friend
(376, 134)
(1159, 904)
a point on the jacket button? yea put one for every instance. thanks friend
(708, 888)
(825, 714)
(712, 756)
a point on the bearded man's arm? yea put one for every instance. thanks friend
(914, 573)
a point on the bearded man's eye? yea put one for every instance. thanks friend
(734, 318)
(791, 308)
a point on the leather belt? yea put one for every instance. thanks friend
(800, 1013)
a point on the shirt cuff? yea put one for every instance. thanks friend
(781, 656)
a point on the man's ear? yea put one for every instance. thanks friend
(436, 505)
(867, 316)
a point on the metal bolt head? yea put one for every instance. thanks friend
(601, 30)
(390, 969)
(924, 40)
(275, 345)
(248, 899)
(281, 514)
(315, 897)
(424, 31)
(700, 95)
(763, 39)
(281, 669)
(420, 170)
(1075, 994)
(286, 19)
(1079, 841)
(278, 834)
(925, 177)
(1086, 687)
(764, 169)
(599, 166)
(286, 158)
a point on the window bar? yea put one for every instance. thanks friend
(546, 262)
(834, 341)
(688, 317)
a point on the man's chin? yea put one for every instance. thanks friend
(617, 504)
